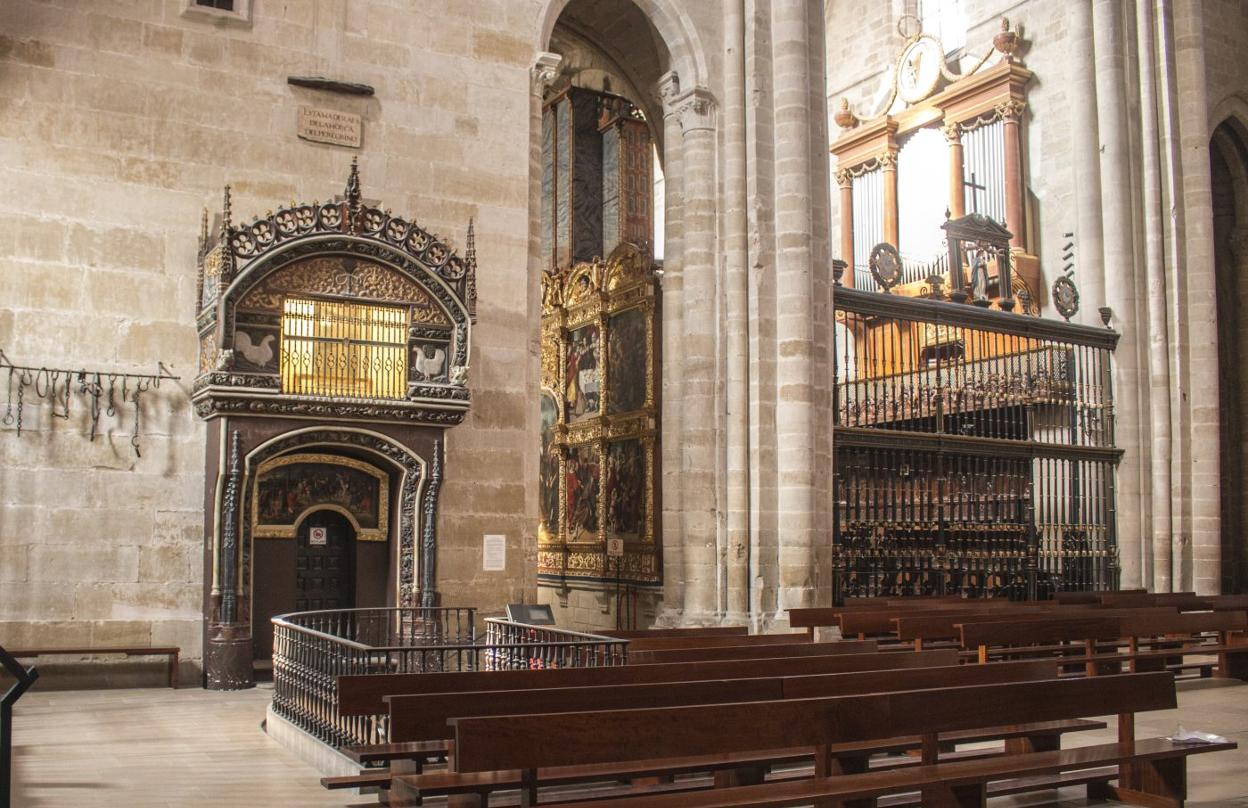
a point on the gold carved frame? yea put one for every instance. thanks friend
(379, 533)
(589, 294)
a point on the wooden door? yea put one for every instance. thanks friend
(324, 576)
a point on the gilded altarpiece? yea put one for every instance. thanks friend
(599, 497)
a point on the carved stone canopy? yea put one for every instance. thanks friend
(348, 257)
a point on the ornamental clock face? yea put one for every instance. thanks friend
(918, 69)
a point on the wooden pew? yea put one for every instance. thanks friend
(365, 694)
(1153, 769)
(671, 643)
(1016, 635)
(709, 631)
(426, 718)
(921, 629)
(755, 651)
(1231, 651)
(1091, 597)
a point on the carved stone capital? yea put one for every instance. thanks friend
(844, 178)
(952, 131)
(696, 109)
(888, 161)
(545, 70)
(1011, 111)
(668, 88)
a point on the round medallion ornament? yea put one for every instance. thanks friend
(1065, 297)
(885, 263)
(918, 69)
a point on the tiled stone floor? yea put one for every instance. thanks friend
(191, 748)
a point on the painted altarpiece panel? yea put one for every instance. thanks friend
(600, 433)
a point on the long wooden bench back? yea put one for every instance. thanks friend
(756, 651)
(423, 718)
(942, 625)
(1182, 623)
(753, 640)
(1031, 632)
(649, 633)
(507, 742)
(365, 694)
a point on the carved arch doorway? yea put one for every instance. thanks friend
(321, 538)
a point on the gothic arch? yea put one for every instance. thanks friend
(668, 17)
(1228, 157)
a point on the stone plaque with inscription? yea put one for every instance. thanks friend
(330, 126)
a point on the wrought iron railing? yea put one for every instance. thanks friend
(975, 450)
(312, 649)
(24, 677)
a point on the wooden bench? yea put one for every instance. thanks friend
(709, 631)
(365, 694)
(1181, 636)
(752, 640)
(774, 651)
(427, 717)
(173, 653)
(1150, 772)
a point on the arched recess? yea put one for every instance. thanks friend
(666, 18)
(409, 566)
(647, 52)
(1228, 156)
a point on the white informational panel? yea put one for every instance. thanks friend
(494, 553)
(318, 536)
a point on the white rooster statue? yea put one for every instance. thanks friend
(430, 367)
(260, 354)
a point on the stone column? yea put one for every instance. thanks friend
(1156, 574)
(957, 191)
(1200, 562)
(846, 183)
(794, 291)
(673, 341)
(1015, 189)
(736, 317)
(700, 504)
(1089, 271)
(1120, 276)
(892, 230)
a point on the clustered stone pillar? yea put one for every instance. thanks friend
(700, 505)
(794, 291)
(736, 322)
(1120, 276)
(673, 343)
(1089, 267)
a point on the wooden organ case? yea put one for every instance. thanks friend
(599, 507)
(974, 441)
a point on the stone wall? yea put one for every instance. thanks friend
(119, 123)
